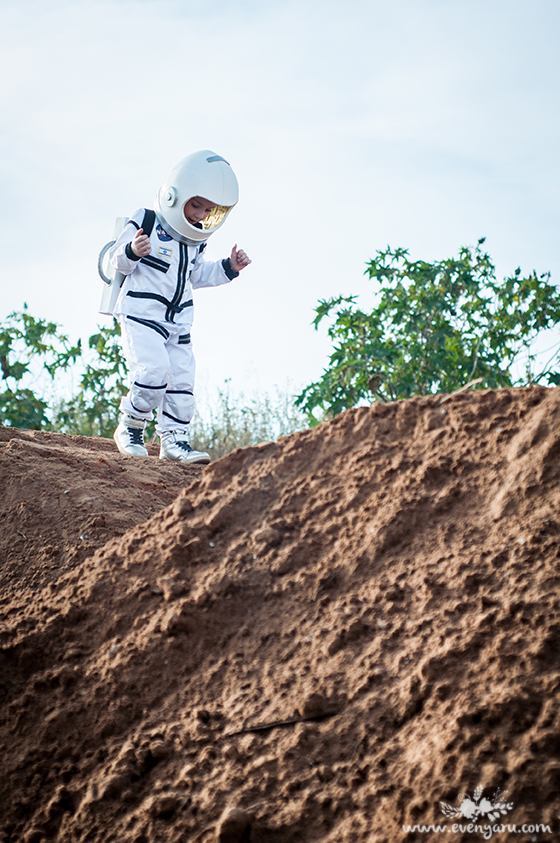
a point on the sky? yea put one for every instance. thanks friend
(350, 124)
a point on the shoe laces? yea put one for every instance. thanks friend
(136, 435)
(184, 445)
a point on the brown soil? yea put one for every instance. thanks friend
(320, 639)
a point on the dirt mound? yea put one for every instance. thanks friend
(320, 639)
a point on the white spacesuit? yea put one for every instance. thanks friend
(155, 303)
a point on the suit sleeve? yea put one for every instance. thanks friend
(211, 273)
(121, 256)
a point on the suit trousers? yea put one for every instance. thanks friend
(162, 367)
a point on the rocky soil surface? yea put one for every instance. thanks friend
(334, 638)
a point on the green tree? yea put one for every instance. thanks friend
(94, 410)
(24, 341)
(434, 328)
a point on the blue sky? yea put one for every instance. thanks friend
(351, 126)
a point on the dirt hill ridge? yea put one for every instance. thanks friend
(320, 639)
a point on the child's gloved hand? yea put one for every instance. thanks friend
(140, 244)
(239, 259)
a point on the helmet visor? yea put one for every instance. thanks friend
(215, 217)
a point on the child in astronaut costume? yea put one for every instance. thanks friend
(155, 305)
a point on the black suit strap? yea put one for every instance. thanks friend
(148, 222)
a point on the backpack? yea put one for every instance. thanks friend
(113, 280)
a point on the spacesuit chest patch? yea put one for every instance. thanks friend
(165, 252)
(162, 233)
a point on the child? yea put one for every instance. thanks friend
(155, 305)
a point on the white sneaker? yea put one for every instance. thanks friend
(175, 446)
(129, 437)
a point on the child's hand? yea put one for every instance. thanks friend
(140, 244)
(239, 259)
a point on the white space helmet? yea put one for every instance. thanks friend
(203, 174)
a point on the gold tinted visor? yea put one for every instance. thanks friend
(215, 217)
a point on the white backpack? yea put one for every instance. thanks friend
(112, 279)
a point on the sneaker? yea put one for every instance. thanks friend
(129, 437)
(175, 446)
